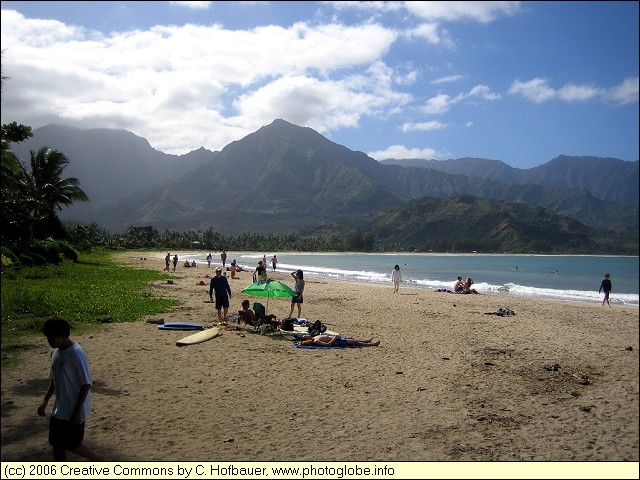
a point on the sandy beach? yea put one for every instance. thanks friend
(556, 382)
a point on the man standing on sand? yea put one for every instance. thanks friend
(167, 262)
(175, 262)
(220, 285)
(606, 287)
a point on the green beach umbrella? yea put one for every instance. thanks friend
(269, 289)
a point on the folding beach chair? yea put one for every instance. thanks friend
(263, 321)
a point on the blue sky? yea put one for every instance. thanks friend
(520, 82)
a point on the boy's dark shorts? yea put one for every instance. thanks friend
(223, 302)
(63, 433)
(297, 299)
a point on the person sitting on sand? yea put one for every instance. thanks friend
(458, 287)
(467, 286)
(246, 314)
(326, 340)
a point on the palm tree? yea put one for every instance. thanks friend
(44, 190)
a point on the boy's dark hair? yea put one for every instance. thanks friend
(56, 326)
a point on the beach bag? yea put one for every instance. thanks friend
(317, 328)
(287, 324)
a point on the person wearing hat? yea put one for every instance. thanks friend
(220, 285)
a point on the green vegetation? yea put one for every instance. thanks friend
(84, 293)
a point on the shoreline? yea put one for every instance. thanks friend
(449, 382)
(506, 296)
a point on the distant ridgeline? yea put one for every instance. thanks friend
(289, 179)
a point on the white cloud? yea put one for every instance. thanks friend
(442, 103)
(483, 12)
(217, 84)
(448, 79)
(535, 90)
(538, 90)
(438, 105)
(624, 94)
(193, 5)
(400, 151)
(424, 126)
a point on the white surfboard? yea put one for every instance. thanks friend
(199, 337)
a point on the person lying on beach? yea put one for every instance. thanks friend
(337, 341)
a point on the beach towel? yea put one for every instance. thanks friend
(297, 345)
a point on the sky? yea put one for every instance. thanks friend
(519, 82)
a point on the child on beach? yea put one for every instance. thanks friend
(396, 278)
(71, 382)
(606, 287)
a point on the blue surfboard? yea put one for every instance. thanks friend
(181, 326)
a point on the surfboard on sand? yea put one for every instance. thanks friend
(199, 337)
(181, 326)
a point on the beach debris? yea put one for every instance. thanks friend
(445, 358)
(155, 321)
(421, 389)
(629, 348)
(585, 408)
(228, 440)
(348, 384)
(553, 368)
(399, 372)
(170, 282)
(489, 363)
(583, 379)
(105, 320)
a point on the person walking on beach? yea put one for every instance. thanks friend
(220, 285)
(209, 258)
(396, 278)
(274, 262)
(175, 262)
(606, 287)
(167, 261)
(223, 258)
(71, 382)
(298, 276)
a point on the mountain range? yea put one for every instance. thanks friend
(284, 178)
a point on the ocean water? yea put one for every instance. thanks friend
(558, 277)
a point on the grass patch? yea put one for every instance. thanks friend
(82, 293)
